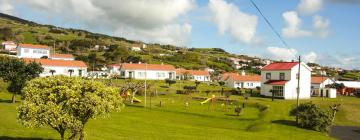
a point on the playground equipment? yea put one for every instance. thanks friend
(132, 97)
(208, 99)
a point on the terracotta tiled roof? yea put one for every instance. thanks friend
(318, 79)
(33, 46)
(142, 66)
(224, 76)
(58, 63)
(245, 77)
(192, 72)
(280, 66)
(276, 82)
(61, 56)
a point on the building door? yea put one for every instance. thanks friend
(327, 93)
(131, 74)
(170, 75)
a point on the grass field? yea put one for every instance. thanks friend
(176, 121)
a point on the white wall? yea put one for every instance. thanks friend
(323, 84)
(29, 53)
(290, 88)
(10, 47)
(149, 74)
(63, 71)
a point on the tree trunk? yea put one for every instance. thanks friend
(82, 135)
(13, 98)
(62, 135)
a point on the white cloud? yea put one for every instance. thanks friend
(144, 20)
(321, 25)
(308, 7)
(229, 18)
(6, 7)
(281, 53)
(293, 25)
(311, 57)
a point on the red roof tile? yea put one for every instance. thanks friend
(142, 66)
(192, 72)
(58, 63)
(33, 46)
(318, 79)
(276, 82)
(280, 66)
(245, 77)
(61, 56)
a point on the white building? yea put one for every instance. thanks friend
(281, 79)
(243, 81)
(193, 75)
(32, 51)
(142, 71)
(9, 46)
(318, 84)
(60, 67)
(62, 57)
(137, 49)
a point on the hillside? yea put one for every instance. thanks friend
(98, 50)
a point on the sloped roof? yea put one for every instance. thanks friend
(280, 66)
(226, 75)
(276, 82)
(254, 78)
(318, 79)
(192, 72)
(142, 66)
(57, 63)
(61, 56)
(33, 46)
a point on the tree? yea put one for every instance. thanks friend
(116, 53)
(52, 72)
(312, 117)
(70, 71)
(197, 83)
(17, 72)
(66, 104)
(170, 82)
(222, 83)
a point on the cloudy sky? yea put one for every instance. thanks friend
(321, 31)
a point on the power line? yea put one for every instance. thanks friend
(268, 22)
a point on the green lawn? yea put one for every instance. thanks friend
(175, 121)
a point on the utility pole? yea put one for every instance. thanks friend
(298, 90)
(145, 84)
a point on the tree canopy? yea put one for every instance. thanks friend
(66, 103)
(17, 72)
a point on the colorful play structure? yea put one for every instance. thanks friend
(131, 97)
(208, 99)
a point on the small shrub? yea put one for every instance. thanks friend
(312, 117)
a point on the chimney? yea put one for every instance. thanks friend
(243, 73)
(139, 62)
(130, 62)
(162, 63)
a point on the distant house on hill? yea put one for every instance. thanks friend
(281, 80)
(32, 51)
(60, 67)
(318, 84)
(62, 57)
(242, 81)
(9, 46)
(194, 75)
(143, 71)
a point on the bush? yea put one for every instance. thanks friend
(312, 117)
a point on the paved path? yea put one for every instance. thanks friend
(345, 132)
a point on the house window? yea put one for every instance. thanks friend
(122, 73)
(141, 74)
(26, 50)
(282, 76)
(268, 76)
(80, 72)
(278, 91)
(251, 84)
(160, 74)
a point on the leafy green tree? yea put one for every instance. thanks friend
(312, 117)
(17, 72)
(116, 53)
(66, 104)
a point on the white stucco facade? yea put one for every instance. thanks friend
(27, 52)
(148, 74)
(60, 70)
(288, 85)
